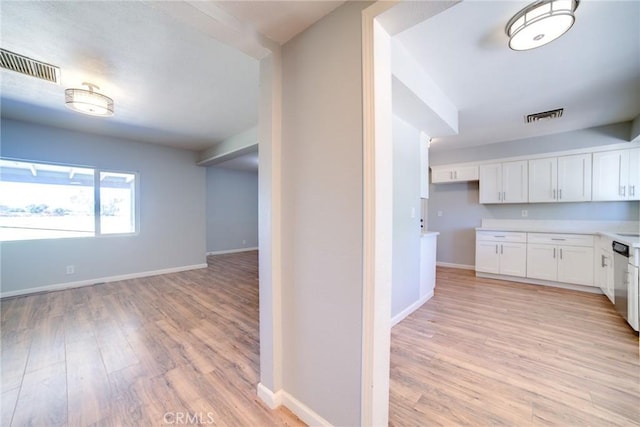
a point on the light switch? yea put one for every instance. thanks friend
(439, 213)
(413, 212)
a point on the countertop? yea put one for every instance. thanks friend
(633, 241)
(610, 230)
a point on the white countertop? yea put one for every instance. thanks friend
(633, 241)
(610, 229)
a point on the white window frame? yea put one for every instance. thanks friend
(97, 211)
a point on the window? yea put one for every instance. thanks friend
(46, 201)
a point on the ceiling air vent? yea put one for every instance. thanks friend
(31, 67)
(545, 115)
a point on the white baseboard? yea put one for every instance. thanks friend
(90, 282)
(453, 265)
(413, 307)
(582, 288)
(281, 397)
(303, 412)
(232, 251)
(271, 399)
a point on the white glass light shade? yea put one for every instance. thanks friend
(89, 102)
(540, 23)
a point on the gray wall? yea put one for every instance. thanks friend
(322, 216)
(405, 287)
(461, 211)
(172, 210)
(592, 137)
(232, 209)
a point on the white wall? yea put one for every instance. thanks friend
(459, 202)
(172, 210)
(322, 216)
(405, 289)
(232, 209)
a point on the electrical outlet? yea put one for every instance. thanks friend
(244, 242)
(525, 213)
(439, 213)
(71, 269)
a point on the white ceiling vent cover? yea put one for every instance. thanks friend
(31, 67)
(545, 115)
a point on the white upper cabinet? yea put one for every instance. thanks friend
(634, 174)
(560, 179)
(491, 183)
(616, 175)
(504, 182)
(574, 178)
(453, 173)
(543, 180)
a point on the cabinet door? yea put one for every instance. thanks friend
(427, 264)
(491, 183)
(487, 257)
(575, 265)
(633, 192)
(466, 173)
(515, 182)
(604, 269)
(633, 301)
(574, 178)
(441, 175)
(607, 178)
(541, 262)
(543, 178)
(513, 259)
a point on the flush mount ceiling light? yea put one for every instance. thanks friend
(540, 23)
(88, 102)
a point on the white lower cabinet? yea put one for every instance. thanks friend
(566, 258)
(604, 268)
(428, 245)
(501, 253)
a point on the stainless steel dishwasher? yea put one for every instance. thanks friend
(625, 282)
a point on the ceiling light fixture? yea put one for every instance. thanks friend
(540, 23)
(89, 102)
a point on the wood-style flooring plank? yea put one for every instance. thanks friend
(481, 352)
(8, 404)
(170, 349)
(42, 400)
(47, 345)
(491, 352)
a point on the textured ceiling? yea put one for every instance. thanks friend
(172, 81)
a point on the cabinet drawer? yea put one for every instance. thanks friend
(561, 239)
(501, 236)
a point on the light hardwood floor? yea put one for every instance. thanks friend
(481, 352)
(152, 351)
(487, 352)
